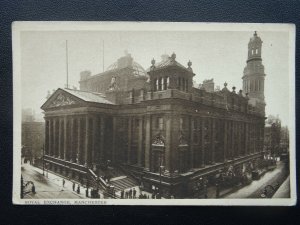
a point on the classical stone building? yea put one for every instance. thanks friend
(154, 127)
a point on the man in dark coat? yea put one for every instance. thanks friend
(134, 193)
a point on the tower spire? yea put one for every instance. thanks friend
(254, 76)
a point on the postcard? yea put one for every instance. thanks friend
(153, 113)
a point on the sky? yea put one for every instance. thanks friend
(220, 55)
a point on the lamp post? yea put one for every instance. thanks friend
(161, 167)
(43, 160)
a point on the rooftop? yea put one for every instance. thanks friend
(89, 96)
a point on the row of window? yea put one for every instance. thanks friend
(161, 83)
(253, 85)
(254, 51)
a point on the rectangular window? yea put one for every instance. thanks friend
(160, 123)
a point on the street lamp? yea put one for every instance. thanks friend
(43, 160)
(161, 167)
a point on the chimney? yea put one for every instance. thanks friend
(85, 75)
(209, 85)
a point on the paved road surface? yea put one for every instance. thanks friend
(255, 189)
(45, 188)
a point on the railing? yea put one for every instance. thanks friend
(98, 180)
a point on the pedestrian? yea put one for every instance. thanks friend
(122, 194)
(73, 186)
(33, 189)
(130, 193)
(63, 182)
(78, 189)
(87, 192)
(153, 196)
(217, 190)
(134, 193)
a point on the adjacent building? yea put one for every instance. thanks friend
(33, 136)
(154, 126)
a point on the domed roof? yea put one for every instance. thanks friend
(138, 70)
(127, 62)
(255, 38)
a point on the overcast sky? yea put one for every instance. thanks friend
(215, 54)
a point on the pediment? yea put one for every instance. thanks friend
(61, 98)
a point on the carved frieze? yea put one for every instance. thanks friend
(158, 140)
(61, 100)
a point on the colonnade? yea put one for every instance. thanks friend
(78, 139)
(220, 140)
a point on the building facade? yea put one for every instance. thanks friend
(154, 126)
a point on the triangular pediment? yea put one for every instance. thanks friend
(61, 98)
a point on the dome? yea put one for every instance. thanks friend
(127, 62)
(255, 38)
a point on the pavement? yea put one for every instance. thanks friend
(256, 187)
(49, 186)
(284, 190)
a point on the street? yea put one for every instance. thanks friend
(46, 188)
(255, 189)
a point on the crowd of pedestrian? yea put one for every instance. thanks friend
(129, 194)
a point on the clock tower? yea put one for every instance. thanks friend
(254, 75)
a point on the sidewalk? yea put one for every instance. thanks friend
(68, 183)
(257, 184)
(284, 190)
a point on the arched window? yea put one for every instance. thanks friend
(156, 84)
(168, 82)
(165, 83)
(160, 83)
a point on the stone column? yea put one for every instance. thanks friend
(233, 140)
(225, 144)
(54, 138)
(129, 140)
(202, 164)
(95, 139)
(65, 139)
(101, 146)
(51, 137)
(73, 140)
(47, 138)
(246, 138)
(148, 142)
(140, 145)
(168, 143)
(114, 139)
(213, 139)
(60, 139)
(87, 141)
(240, 139)
(192, 120)
(79, 144)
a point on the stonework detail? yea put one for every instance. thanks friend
(61, 100)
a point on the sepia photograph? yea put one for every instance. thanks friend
(153, 113)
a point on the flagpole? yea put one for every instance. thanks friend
(67, 63)
(102, 55)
